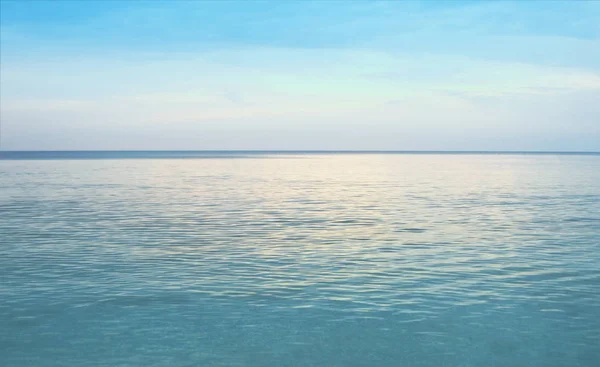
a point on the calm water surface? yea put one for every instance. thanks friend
(300, 260)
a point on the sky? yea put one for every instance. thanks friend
(300, 75)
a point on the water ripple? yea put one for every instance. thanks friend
(333, 260)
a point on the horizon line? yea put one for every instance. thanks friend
(298, 151)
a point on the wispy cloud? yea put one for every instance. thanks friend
(418, 70)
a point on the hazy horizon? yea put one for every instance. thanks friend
(356, 76)
(307, 151)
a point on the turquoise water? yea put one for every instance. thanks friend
(273, 259)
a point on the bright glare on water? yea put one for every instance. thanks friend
(300, 260)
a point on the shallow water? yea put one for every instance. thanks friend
(300, 260)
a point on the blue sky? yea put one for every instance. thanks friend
(431, 75)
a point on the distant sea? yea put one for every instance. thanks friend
(334, 259)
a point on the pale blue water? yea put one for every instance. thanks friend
(272, 259)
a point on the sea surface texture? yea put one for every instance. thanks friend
(296, 259)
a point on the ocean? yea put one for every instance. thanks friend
(299, 259)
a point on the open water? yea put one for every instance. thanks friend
(299, 259)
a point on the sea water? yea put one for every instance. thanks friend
(299, 259)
